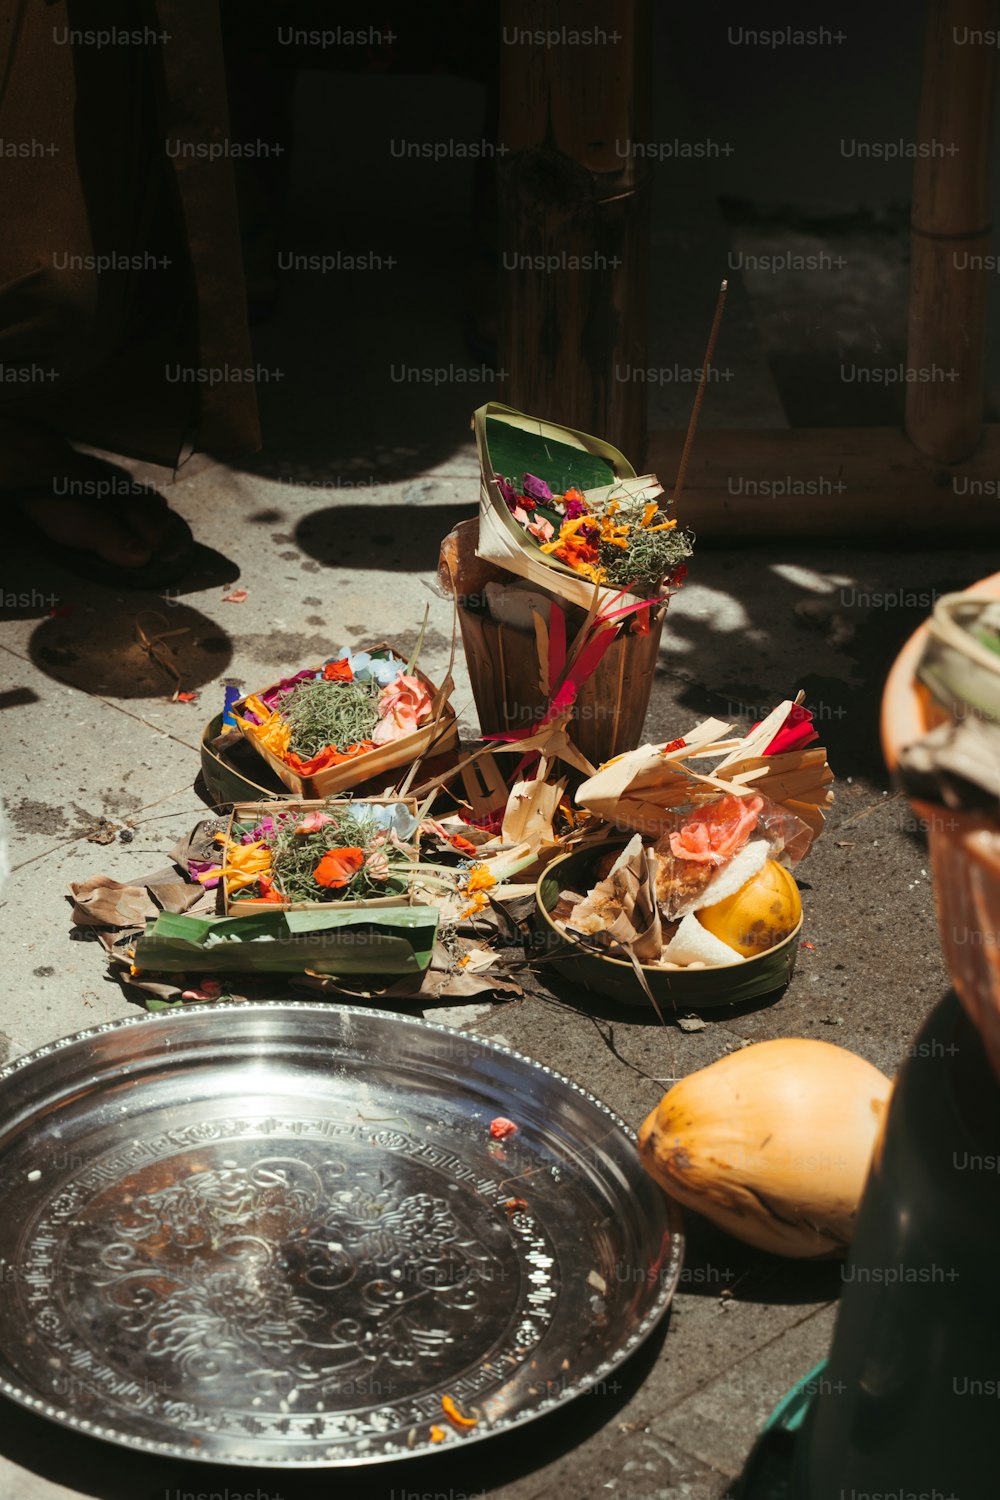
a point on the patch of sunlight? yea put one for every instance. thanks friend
(808, 578)
(698, 601)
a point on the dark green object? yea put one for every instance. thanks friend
(910, 1394)
(233, 770)
(372, 940)
(515, 452)
(674, 989)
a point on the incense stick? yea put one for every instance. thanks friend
(699, 393)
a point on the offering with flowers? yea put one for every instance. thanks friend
(288, 854)
(615, 537)
(326, 728)
(717, 824)
(567, 512)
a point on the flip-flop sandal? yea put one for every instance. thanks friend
(168, 564)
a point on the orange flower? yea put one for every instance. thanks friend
(588, 569)
(272, 732)
(338, 671)
(479, 879)
(575, 550)
(328, 756)
(464, 846)
(616, 535)
(267, 891)
(337, 867)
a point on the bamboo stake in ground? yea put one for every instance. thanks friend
(700, 392)
(950, 225)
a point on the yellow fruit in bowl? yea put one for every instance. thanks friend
(759, 915)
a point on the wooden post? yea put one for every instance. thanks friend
(950, 230)
(831, 481)
(574, 226)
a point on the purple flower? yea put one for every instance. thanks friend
(537, 489)
(264, 829)
(198, 867)
(271, 696)
(573, 507)
(507, 491)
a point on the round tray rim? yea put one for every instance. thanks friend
(658, 1307)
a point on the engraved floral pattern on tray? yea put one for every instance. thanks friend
(301, 1276)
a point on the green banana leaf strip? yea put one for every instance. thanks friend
(515, 452)
(373, 940)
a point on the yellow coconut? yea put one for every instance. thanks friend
(760, 914)
(772, 1143)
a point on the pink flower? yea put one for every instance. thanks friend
(313, 822)
(270, 698)
(714, 833)
(542, 529)
(520, 515)
(377, 865)
(401, 706)
(209, 989)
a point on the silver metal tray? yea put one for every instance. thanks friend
(279, 1234)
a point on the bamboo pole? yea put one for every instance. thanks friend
(950, 228)
(574, 214)
(699, 394)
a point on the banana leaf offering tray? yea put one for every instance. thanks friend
(361, 714)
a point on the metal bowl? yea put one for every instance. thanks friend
(688, 989)
(279, 1234)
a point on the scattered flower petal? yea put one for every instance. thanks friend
(714, 833)
(454, 1416)
(542, 529)
(337, 867)
(313, 822)
(536, 488)
(338, 671)
(401, 707)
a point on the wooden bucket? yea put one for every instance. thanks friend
(506, 673)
